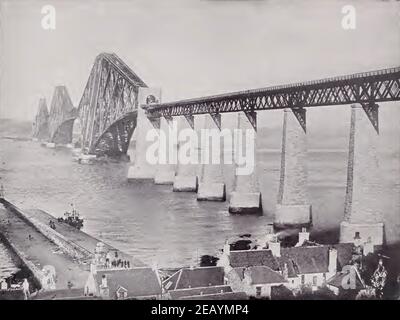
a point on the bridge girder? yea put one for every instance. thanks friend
(364, 88)
(108, 106)
(62, 114)
(40, 128)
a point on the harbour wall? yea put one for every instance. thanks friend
(66, 245)
(37, 274)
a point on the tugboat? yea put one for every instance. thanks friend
(72, 218)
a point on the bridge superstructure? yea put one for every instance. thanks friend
(108, 107)
(109, 112)
(62, 116)
(363, 218)
(40, 127)
(365, 88)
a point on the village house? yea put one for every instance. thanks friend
(134, 283)
(257, 271)
(348, 279)
(114, 278)
(199, 283)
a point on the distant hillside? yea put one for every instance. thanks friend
(15, 128)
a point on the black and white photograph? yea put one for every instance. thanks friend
(237, 150)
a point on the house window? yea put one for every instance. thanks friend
(303, 279)
(314, 280)
(258, 291)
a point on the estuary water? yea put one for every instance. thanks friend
(172, 229)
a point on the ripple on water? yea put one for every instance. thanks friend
(151, 221)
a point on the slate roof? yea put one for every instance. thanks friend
(299, 260)
(139, 282)
(180, 293)
(195, 278)
(219, 296)
(248, 258)
(264, 275)
(337, 280)
(314, 259)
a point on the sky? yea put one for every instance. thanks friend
(190, 48)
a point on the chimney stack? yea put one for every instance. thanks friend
(275, 247)
(227, 248)
(104, 281)
(303, 236)
(368, 247)
(332, 260)
(93, 268)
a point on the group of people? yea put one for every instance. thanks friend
(118, 263)
(113, 261)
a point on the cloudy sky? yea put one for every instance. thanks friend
(189, 48)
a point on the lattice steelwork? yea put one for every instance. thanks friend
(62, 116)
(108, 107)
(41, 124)
(365, 88)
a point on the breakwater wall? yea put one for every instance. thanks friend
(37, 274)
(67, 246)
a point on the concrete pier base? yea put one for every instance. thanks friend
(142, 169)
(167, 152)
(138, 173)
(186, 179)
(373, 231)
(185, 183)
(292, 216)
(211, 181)
(245, 202)
(246, 197)
(164, 177)
(211, 191)
(293, 208)
(363, 217)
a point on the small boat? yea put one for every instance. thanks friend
(72, 218)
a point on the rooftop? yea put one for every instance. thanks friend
(219, 296)
(248, 258)
(260, 275)
(299, 260)
(180, 293)
(138, 282)
(195, 278)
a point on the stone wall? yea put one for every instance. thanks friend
(67, 246)
(36, 272)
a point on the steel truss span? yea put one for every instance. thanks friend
(364, 88)
(107, 109)
(62, 116)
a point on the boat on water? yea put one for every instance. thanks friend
(72, 218)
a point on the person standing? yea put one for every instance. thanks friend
(25, 288)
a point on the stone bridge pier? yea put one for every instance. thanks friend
(211, 181)
(293, 208)
(167, 152)
(246, 196)
(363, 218)
(142, 168)
(186, 177)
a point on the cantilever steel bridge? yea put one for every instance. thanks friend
(367, 88)
(108, 107)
